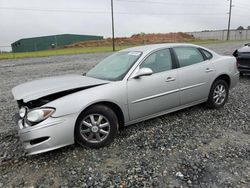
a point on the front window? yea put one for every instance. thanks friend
(158, 61)
(114, 67)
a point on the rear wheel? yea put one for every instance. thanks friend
(218, 94)
(96, 127)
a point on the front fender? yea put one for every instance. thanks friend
(114, 92)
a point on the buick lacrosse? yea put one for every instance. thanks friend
(127, 87)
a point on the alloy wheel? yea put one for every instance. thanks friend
(95, 128)
(219, 94)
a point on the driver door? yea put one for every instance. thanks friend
(150, 95)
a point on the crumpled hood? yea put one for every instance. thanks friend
(43, 87)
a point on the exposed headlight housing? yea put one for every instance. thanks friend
(38, 115)
(22, 112)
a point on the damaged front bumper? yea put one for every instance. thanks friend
(48, 135)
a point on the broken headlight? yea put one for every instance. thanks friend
(23, 112)
(38, 115)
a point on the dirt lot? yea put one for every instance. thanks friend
(136, 39)
(195, 147)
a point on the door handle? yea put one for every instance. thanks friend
(170, 79)
(209, 70)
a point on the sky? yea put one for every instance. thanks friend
(32, 18)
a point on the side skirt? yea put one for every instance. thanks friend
(165, 112)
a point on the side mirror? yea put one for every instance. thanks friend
(248, 44)
(143, 72)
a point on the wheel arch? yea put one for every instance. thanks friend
(116, 109)
(224, 77)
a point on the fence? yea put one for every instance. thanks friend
(204, 35)
(222, 34)
(4, 49)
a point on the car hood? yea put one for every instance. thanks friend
(43, 87)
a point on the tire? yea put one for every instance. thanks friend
(241, 74)
(96, 127)
(218, 94)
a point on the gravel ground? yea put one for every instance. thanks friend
(195, 147)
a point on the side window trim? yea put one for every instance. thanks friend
(203, 54)
(175, 63)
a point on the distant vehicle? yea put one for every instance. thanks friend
(243, 59)
(127, 87)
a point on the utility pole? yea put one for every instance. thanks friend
(113, 32)
(229, 19)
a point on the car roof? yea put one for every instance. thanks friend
(153, 47)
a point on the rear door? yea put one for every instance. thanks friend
(196, 72)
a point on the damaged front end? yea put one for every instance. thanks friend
(38, 130)
(33, 112)
(46, 99)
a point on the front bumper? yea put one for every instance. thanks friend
(48, 135)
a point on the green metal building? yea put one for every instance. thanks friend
(49, 42)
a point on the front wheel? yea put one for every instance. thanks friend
(218, 94)
(96, 127)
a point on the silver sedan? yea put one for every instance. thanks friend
(127, 87)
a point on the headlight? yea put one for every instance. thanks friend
(39, 115)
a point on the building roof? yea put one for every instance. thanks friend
(40, 37)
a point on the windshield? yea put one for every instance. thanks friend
(114, 67)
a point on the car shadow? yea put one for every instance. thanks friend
(174, 118)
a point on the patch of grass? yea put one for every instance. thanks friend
(68, 51)
(64, 51)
